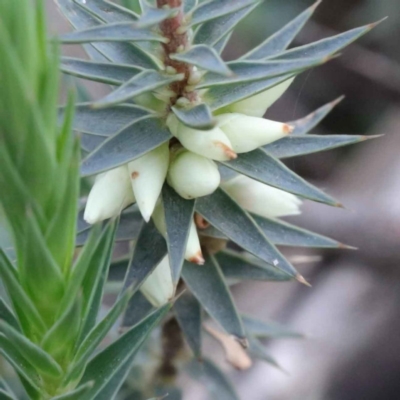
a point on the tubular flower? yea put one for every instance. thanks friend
(261, 199)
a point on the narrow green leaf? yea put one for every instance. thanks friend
(144, 82)
(20, 364)
(76, 394)
(236, 265)
(221, 44)
(122, 53)
(259, 165)
(128, 144)
(257, 350)
(189, 316)
(4, 395)
(204, 57)
(267, 329)
(212, 31)
(129, 226)
(198, 117)
(189, 5)
(108, 11)
(114, 74)
(39, 359)
(284, 234)
(8, 316)
(209, 287)
(214, 379)
(249, 71)
(118, 32)
(109, 368)
(150, 249)
(153, 16)
(105, 122)
(225, 214)
(138, 309)
(280, 40)
(326, 47)
(209, 10)
(178, 220)
(25, 309)
(90, 142)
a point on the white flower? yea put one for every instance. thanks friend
(248, 133)
(158, 287)
(257, 105)
(193, 251)
(147, 175)
(111, 193)
(262, 199)
(192, 175)
(212, 143)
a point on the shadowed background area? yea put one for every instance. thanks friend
(350, 317)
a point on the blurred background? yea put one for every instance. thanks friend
(350, 316)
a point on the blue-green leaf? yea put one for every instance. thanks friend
(128, 144)
(221, 211)
(257, 350)
(7, 315)
(111, 73)
(150, 249)
(189, 5)
(138, 308)
(109, 368)
(108, 11)
(285, 234)
(267, 329)
(281, 40)
(198, 117)
(119, 32)
(236, 265)
(209, 287)
(153, 16)
(259, 165)
(90, 142)
(141, 83)
(5, 395)
(204, 57)
(76, 394)
(178, 220)
(212, 31)
(129, 226)
(209, 10)
(221, 44)
(189, 316)
(214, 379)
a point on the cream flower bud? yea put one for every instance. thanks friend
(212, 143)
(262, 199)
(147, 175)
(192, 175)
(193, 249)
(257, 105)
(248, 133)
(110, 194)
(158, 288)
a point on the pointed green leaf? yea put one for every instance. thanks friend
(285, 234)
(128, 144)
(119, 32)
(39, 359)
(188, 313)
(105, 122)
(8, 316)
(304, 125)
(209, 287)
(236, 265)
(281, 40)
(221, 44)
(108, 11)
(214, 379)
(248, 71)
(220, 96)
(267, 329)
(90, 142)
(76, 394)
(144, 82)
(209, 10)
(259, 165)
(150, 249)
(109, 368)
(204, 57)
(129, 226)
(257, 350)
(326, 47)
(138, 308)
(212, 31)
(189, 5)
(198, 117)
(114, 74)
(5, 395)
(178, 220)
(122, 53)
(221, 211)
(153, 16)
(20, 364)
